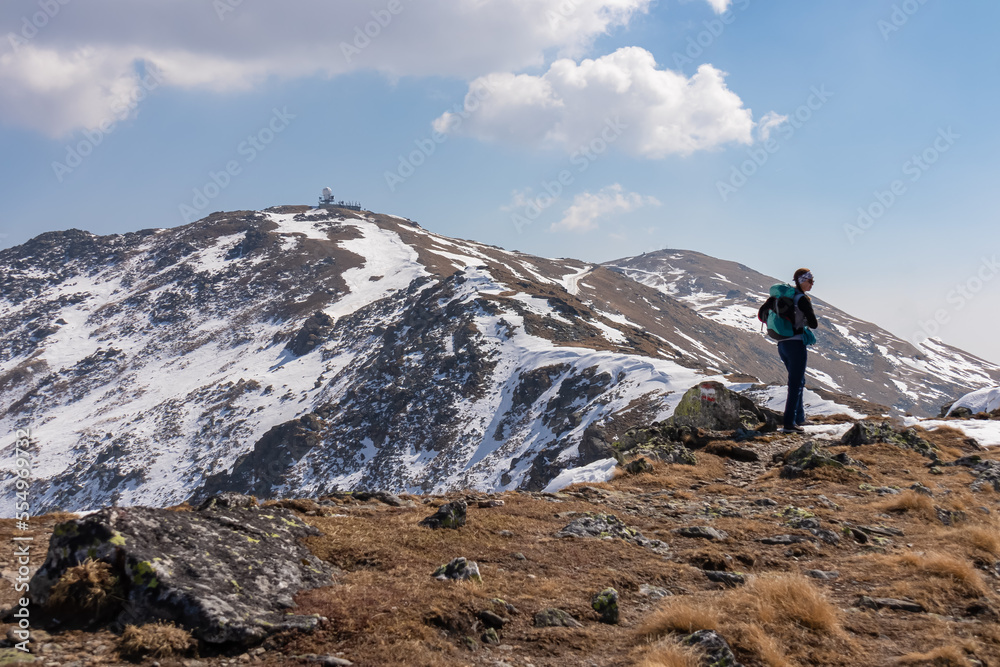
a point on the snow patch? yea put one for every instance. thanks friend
(598, 471)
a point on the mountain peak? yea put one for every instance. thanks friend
(318, 350)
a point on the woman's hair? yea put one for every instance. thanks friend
(799, 274)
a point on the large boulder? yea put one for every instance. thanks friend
(226, 575)
(710, 405)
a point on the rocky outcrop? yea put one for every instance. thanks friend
(608, 525)
(811, 456)
(264, 468)
(711, 406)
(314, 331)
(226, 575)
(870, 432)
(449, 515)
(661, 443)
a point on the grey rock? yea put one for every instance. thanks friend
(890, 603)
(884, 531)
(712, 406)
(228, 500)
(765, 502)
(325, 660)
(869, 432)
(605, 603)
(638, 466)
(827, 503)
(459, 569)
(826, 575)
(716, 648)
(491, 620)
(804, 523)
(702, 532)
(661, 443)
(949, 517)
(608, 525)
(556, 618)
(809, 457)
(730, 579)
(785, 539)
(313, 333)
(988, 471)
(225, 575)
(653, 592)
(449, 515)
(827, 536)
(385, 497)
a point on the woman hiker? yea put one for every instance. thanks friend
(793, 352)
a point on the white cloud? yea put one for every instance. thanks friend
(588, 208)
(654, 112)
(69, 71)
(720, 6)
(770, 121)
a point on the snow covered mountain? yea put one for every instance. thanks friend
(301, 351)
(852, 356)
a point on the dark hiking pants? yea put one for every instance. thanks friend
(793, 354)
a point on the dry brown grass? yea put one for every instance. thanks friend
(87, 588)
(764, 645)
(911, 501)
(766, 620)
(671, 655)
(984, 538)
(960, 573)
(948, 439)
(791, 598)
(680, 615)
(155, 640)
(945, 656)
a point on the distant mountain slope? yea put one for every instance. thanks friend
(297, 351)
(852, 356)
(312, 350)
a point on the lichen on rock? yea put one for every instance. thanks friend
(871, 432)
(225, 575)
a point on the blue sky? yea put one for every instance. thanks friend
(748, 130)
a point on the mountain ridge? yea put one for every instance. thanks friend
(310, 350)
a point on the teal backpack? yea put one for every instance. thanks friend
(778, 314)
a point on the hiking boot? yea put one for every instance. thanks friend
(793, 429)
(806, 423)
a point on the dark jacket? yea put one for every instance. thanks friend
(804, 315)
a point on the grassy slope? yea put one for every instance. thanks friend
(387, 610)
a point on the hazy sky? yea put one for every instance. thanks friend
(856, 138)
